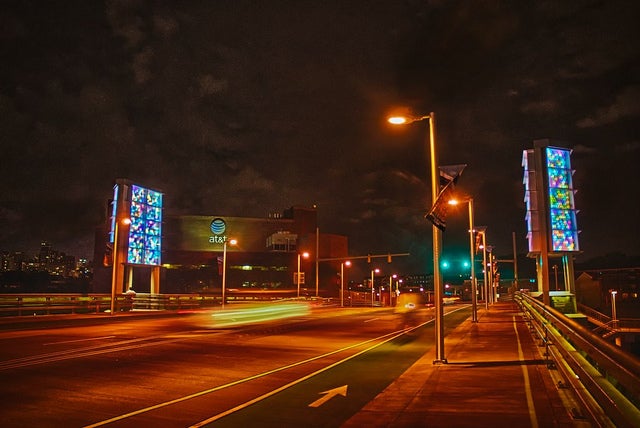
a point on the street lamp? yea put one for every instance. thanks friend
(373, 293)
(437, 233)
(115, 260)
(342, 265)
(224, 266)
(491, 295)
(474, 297)
(482, 230)
(391, 278)
(305, 255)
(614, 315)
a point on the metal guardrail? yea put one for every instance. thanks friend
(51, 304)
(605, 378)
(607, 324)
(75, 303)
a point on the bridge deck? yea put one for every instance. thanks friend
(496, 375)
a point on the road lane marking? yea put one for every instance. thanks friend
(392, 336)
(106, 348)
(78, 340)
(214, 418)
(527, 385)
(328, 395)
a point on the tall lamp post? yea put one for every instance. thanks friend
(474, 297)
(305, 255)
(482, 230)
(391, 278)
(490, 273)
(116, 270)
(373, 288)
(224, 267)
(346, 263)
(614, 315)
(437, 234)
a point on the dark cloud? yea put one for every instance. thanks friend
(246, 108)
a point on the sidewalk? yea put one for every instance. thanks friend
(496, 376)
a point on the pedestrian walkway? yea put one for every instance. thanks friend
(496, 376)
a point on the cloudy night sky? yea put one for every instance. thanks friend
(245, 108)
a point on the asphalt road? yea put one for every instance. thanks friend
(314, 368)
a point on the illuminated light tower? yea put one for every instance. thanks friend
(552, 229)
(136, 235)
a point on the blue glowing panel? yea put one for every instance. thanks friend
(145, 232)
(562, 212)
(114, 208)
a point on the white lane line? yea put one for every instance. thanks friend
(295, 382)
(527, 385)
(240, 381)
(78, 340)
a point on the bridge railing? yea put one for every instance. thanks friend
(604, 378)
(607, 323)
(56, 303)
(75, 303)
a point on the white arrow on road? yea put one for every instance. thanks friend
(328, 395)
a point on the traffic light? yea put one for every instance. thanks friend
(368, 258)
(389, 258)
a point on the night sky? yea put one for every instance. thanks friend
(245, 108)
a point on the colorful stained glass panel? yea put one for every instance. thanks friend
(562, 213)
(145, 233)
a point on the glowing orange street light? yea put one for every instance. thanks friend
(306, 256)
(474, 297)
(116, 270)
(373, 293)
(224, 267)
(346, 263)
(391, 278)
(437, 233)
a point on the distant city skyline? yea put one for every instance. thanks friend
(45, 258)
